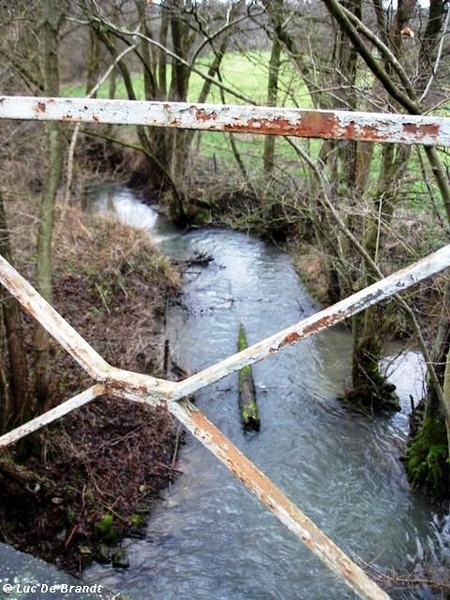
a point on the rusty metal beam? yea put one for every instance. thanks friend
(73, 343)
(267, 492)
(381, 290)
(274, 500)
(306, 123)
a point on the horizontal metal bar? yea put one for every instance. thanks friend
(381, 290)
(55, 413)
(297, 122)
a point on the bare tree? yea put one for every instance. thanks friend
(427, 460)
(168, 40)
(14, 390)
(50, 30)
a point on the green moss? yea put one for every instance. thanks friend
(242, 345)
(137, 520)
(427, 462)
(247, 402)
(242, 338)
(105, 529)
(250, 411)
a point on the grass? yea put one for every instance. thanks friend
(244, 73)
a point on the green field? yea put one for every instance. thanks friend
(246, 74)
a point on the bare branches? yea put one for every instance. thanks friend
(353, 27)
(73, 141)
(437, 61)
(125, 34)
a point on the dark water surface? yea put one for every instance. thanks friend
(209, 538)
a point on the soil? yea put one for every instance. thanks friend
(70, 492)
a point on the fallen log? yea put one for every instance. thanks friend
(248, 407)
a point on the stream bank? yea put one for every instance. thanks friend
(93, 475)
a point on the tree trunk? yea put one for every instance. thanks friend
(42, 340)
(14, 391)
(371, 392)
(93, 64)
(427, 458)
(272, 85)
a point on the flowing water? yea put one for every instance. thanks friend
(209, 538)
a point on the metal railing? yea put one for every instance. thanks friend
(173, 395)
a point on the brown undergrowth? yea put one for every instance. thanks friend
(91, 476)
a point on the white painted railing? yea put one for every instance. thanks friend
(307, 123)
(150, 390)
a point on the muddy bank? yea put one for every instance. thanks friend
(69, 494)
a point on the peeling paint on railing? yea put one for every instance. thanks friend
(275, 501)
(381, 290)
(73, 342)
(297, 122)
(52, 415)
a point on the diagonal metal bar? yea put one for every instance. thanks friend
(273, 499)
(52, 415)
(72, 341)
(307, 123)
(381, 290)
(52, 321)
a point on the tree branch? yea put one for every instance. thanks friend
(119, 32)
(348, 25)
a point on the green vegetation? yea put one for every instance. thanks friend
(247, 397)
(105, 529)
(427, 459)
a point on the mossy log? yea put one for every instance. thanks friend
(248, 407)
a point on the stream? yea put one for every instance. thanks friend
(209, 538)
